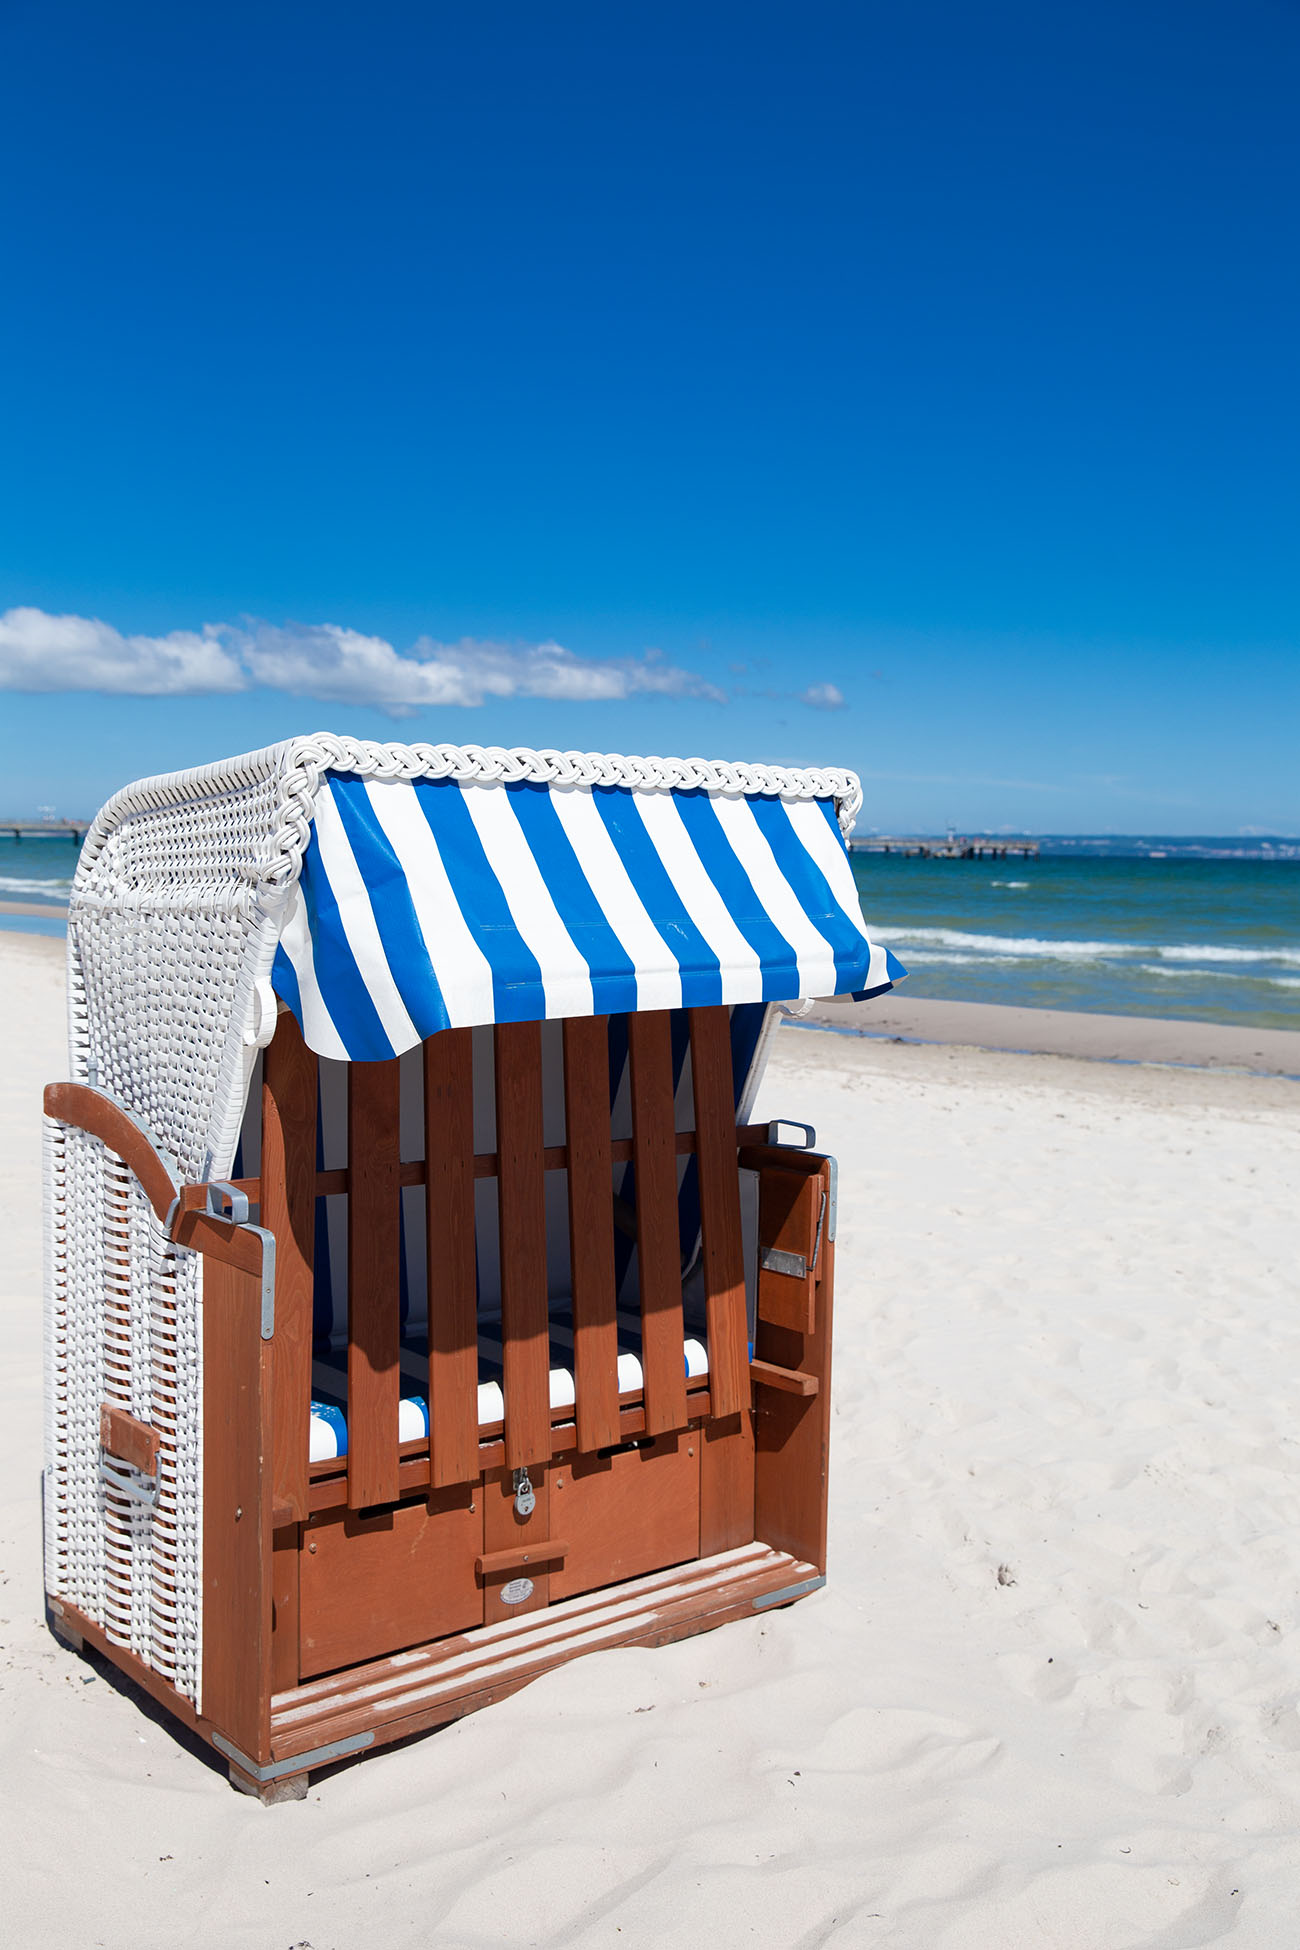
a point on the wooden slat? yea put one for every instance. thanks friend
(520, 1557)
(449, 1207)
(237, 1584)
(374, 1283)
(521, 1195)
(789, 1381)
(719, 1181)
(654, 1163)
(591, 1229)
(554, 1158)
(288, 1209)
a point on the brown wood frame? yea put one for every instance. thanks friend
(760, 1469)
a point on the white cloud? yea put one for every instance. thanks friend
(39, 652)
(823, 697)
(325, 661)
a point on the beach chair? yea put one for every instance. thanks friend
(424, 1307)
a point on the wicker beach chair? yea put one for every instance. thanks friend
(423, 1306)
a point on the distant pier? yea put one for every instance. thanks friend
(44, 829)
(951, 848)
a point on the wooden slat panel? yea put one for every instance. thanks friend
(374, 1283)
(372, 1584)
(521, 1194)
(236, 1509)
(591, 1229)
(285, 1554)
(628, 1513)
(790, 1207)
(654, 1163)
(288, 1209)
(792, 1432)
(726, 1483)
(449, 1206)
(719, 1181)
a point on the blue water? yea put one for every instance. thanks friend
(1207, 929)
(1139, 927)
(37, 870)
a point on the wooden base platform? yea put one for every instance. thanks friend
(412, 1691)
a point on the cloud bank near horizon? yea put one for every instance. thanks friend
(40, 652)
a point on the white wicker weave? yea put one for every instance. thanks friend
(175, 916)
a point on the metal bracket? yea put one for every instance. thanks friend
(268, 1280)
(228, 1194)
(779, 1124)
(790, 1591)
(128, 1481)
(277, 1769)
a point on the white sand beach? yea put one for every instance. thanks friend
(1048, 1697)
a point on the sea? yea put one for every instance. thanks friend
(1207, 929)
(1204, 929)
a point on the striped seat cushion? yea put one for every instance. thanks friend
(329, 1433)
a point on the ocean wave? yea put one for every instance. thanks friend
(1290, 957)
(1034, 947)
(937, 957)
(12, 883)
(1216, 975)
(1010, 883)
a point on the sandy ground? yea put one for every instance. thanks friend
(1049, 1697)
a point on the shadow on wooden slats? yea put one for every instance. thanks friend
(591, 1229)
(654, 1163)
(374, 1282)
(525, 1333)
(449, 1203)
(288, 1209)
(719, 1182)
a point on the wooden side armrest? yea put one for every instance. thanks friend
(87, 1108)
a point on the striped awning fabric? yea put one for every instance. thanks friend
(431, 903)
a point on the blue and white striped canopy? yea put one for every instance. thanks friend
(426, 904)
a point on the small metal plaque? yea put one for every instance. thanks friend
(517, 1592)
(793, 1265)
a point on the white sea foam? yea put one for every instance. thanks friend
(20, 884)
(1010, 883)
(1191, 952)
(1032, 947)
(1216, 975)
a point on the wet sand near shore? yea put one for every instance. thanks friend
(1064, 1032)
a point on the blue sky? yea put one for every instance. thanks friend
(913, 388)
